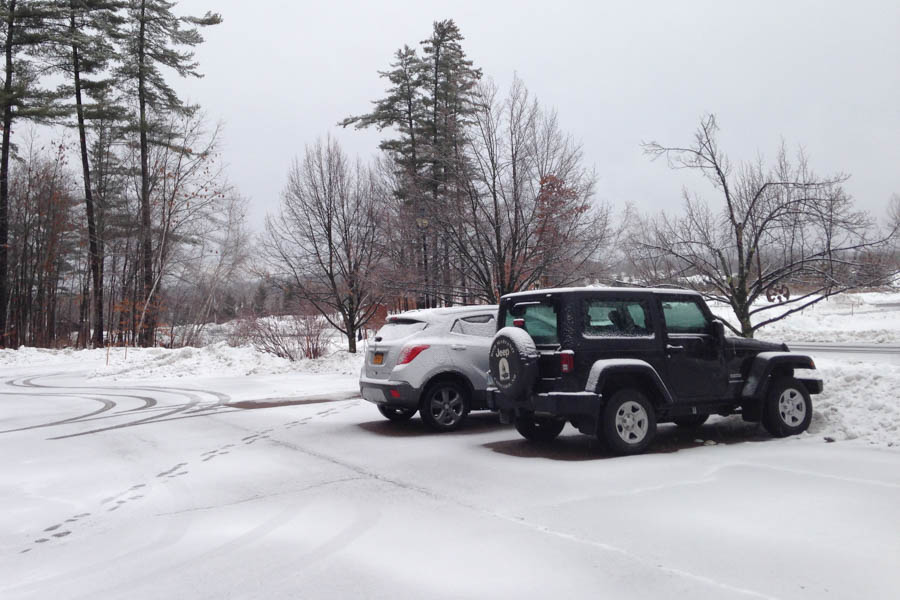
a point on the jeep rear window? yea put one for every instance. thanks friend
(399, 328)
(616, 318)
(540, 321)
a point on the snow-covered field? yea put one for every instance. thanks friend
(871, 317)
(221, 472)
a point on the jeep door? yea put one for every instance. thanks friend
(619, 325)
(694, 359)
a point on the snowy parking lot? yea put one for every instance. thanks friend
(255, 479)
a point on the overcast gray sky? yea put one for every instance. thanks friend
(824, 75)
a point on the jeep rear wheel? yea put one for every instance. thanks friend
(788, 408)
(539, 429)
(629, 422)
(396, 413)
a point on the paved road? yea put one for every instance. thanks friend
(882, 353)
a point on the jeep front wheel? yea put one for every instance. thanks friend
(539, 429)
(629, 422)
(788, 408)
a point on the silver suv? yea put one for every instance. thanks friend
(434, 361)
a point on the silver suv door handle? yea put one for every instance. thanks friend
(671, 348)
(458, 347)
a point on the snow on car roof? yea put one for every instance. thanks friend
(436, 314)
(628, 290)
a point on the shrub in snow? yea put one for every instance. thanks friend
(292, 337)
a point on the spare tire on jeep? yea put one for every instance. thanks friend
(513, 361)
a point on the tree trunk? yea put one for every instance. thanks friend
(4, 173)
(96, 275)
(351, 339)
(149, 321)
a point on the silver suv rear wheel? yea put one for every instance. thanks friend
(445, 405)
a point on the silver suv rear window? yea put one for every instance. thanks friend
(399, 328)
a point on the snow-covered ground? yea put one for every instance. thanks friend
(221, 472)
(870, 317)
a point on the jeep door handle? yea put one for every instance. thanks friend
(671, 348)
(459, 347)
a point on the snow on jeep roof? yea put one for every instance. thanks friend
(628, 290)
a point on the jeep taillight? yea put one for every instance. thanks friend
(567, 361)
(519, 323)
(409, 353)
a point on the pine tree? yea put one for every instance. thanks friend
(430, 105)
(449, 78)
(402, 108)
(24, 39)
(86, 31)
(157, 39)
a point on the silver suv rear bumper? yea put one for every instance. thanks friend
(392, 393)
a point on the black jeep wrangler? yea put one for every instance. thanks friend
(614, 362)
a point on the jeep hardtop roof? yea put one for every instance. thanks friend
(594, 289)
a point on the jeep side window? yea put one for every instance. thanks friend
(540, 321)
(684, 316)
(616, 318)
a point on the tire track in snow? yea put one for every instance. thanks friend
(194, 406)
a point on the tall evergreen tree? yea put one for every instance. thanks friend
(450, 79)
(86, 31)
(24, 37)
(430, 105)
(402, 108)
(158, 38)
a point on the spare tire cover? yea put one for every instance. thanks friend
(513, 361)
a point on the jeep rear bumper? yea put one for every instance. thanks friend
(570, 406)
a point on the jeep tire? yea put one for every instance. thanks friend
(787, 409)
(629, 422)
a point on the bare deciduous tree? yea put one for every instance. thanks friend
(525, 214)
(778, 226)
(325, 239)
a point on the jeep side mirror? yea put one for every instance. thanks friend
(719, 330)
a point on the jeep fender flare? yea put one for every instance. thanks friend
(603, 370)
(764, 364)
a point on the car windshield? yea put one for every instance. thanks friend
(399, 328)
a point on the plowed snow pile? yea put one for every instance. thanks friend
(860, 401)
(217, 360)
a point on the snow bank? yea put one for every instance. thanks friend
(218, 359)
(860, 401)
